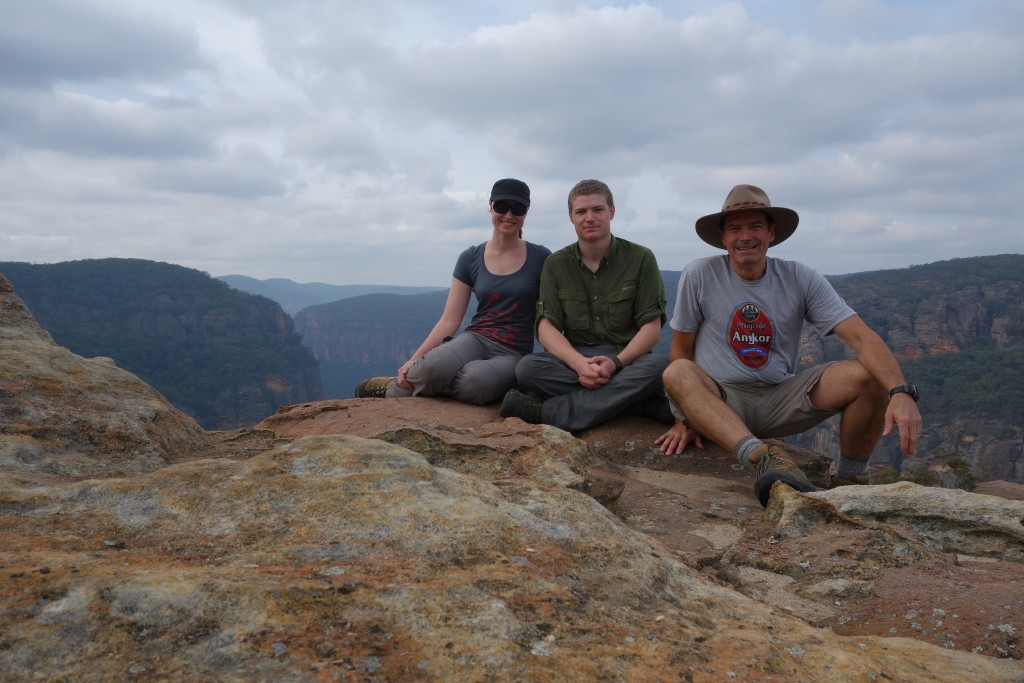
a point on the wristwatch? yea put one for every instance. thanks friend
(906, 389)
(618, 363)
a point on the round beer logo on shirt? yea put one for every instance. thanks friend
(751, 336)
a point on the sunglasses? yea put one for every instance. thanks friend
(503, 207)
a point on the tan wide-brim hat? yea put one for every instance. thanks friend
(747, 198)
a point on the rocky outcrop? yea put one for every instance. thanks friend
(421, 539)
(344, 557)
(64, 415)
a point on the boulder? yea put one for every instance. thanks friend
(67, 416)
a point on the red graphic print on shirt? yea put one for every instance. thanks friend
(495, 322)
(751, 336)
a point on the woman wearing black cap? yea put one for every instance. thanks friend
(478, 366)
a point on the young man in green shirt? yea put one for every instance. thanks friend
(601, 308)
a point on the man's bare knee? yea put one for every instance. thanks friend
(844, 383)
(680, 372)
(683, 377)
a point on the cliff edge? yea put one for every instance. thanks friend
(419, 539)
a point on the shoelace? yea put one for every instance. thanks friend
(770, 461)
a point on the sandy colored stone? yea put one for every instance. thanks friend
(67, 416)
(346, 557)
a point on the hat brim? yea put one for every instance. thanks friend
(513, 197)
(709, 228)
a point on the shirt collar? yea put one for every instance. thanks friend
(609, 255)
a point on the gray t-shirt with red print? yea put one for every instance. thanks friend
(749, 330)
(505, 303)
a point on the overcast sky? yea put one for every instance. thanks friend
(356, 143)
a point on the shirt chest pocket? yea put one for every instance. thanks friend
(576, 308)
(620, 307)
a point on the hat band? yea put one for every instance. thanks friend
(747, 205)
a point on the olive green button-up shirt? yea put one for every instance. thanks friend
(604, 307)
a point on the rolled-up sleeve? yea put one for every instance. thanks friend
(650, 300)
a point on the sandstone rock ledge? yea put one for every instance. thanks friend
(418, 539)
(339, 557)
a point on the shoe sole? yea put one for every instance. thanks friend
(763, 485)
(511, 405)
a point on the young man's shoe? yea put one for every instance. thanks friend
(772, 464)
(653, 408)
(518, 404)
(374, 387)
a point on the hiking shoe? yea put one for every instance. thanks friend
(374, 387)
(653, 408)
(772, 464)
(518, 404)
(855, 480)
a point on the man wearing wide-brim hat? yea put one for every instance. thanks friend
(735, 350)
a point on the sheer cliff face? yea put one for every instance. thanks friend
(376, 328)
(918, 326)
(359, 342)
(368, 335)
(947, 322)
(254, 352)
(226, 358)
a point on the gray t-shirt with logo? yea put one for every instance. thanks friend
(749, 330)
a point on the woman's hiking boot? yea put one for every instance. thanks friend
(374, 387)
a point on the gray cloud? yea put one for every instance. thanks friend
(87, 127)
(46, 41)
(242, 173)
(355, 142)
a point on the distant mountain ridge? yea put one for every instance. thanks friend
(225, 357)
(294, 296)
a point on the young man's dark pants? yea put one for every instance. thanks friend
(572, 407)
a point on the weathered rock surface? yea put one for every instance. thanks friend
(701, 508)
(421, 539)
(61, 414)
(343, 557)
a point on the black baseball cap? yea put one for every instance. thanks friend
(510, 188)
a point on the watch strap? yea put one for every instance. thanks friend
(618, 363)
(909, 389)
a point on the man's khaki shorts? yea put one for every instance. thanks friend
(775, 410)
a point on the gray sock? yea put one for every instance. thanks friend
(848, 467)
(743, 448)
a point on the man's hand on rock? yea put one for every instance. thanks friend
(677, 438)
